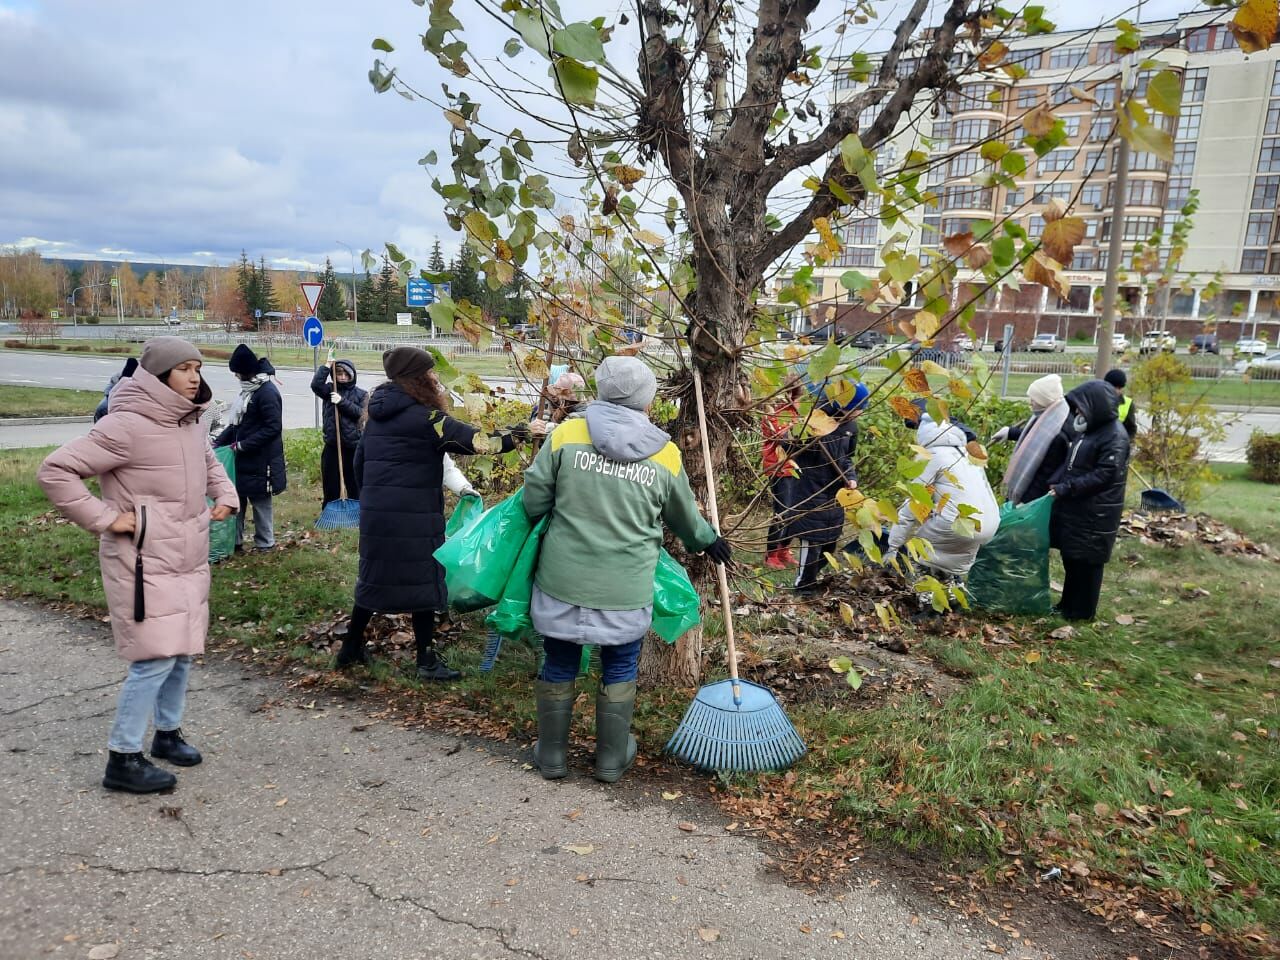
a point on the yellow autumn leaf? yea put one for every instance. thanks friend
(1254, 24)
(934, 369)
(567, 223)
(850, 498)
(926, 325)
(502, 249)
(649, 238)
(1039, 122)
(991, 56)
(1082, 95)
(1061, 237)
(916, 381)
(627, 175)
(456, 120)
(1032, 656)
(846, 614)
(1047, 272)
(960, 390)
(819, 424)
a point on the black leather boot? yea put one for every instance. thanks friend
(136, 774)
(169, 745)
(433, 669)
(352, 652)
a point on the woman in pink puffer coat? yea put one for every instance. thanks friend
(153, 459)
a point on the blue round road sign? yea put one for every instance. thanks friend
(312, 332)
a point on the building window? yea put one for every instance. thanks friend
(1035, 227)
(1266, 191)
(1085, 260)
(1062, 94)
(1275, 81)
(1273, 119)
(1026, 59)
(967, 198)
(1135, 228)
(1105, 94)
(972, 131)
(1056, 161)
(941, 131)
(1066, 58)
(1144, 78)
(1198, 40)
(1100, 129)
(1091, 195)
(1184, 159)
(963, 165)
(1091, 229)
(1269, 157)
(1095, 161)
(1189, 123)
(977, 96)
(1072, 125)
(1274, 266)
(863, 232)
(1140, 193)
(950, 226)
(1179, 193)
(1106, 53)
(1253, 261)
(1013, 199)
(1224, 40)
(1044, 192)
(1028, 97)
(1193, 84)
(1257, 232)
(1147, 161)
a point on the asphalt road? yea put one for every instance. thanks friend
(316, 829)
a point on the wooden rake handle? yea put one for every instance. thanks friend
(721, 574)
(337, 430)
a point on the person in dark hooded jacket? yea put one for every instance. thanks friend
(399, 466)
(1088, 496)
(347, 400)
(256, 434)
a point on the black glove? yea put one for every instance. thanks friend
(720, 552)
(520, 432)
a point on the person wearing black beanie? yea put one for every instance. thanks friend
(256, 434)
(1128, 415)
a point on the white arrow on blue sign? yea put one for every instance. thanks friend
(313, 332)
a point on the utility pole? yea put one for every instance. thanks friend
(355, 306)
(1115, 248)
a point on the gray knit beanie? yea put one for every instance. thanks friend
(162, 354)
(626, 381)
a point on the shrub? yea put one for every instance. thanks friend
(1264, 457)
(93, 320)
(1172, 450)
(302, 450)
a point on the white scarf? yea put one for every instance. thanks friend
(247, 389)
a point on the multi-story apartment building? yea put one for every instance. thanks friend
(1227, 146)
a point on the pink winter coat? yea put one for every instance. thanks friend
(152, 457)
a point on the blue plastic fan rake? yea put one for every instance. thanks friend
(733, 725)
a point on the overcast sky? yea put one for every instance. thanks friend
(186, 131)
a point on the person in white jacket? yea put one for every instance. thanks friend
(454, 480)
(955, 479)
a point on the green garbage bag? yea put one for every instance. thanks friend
(466, 512)
(1011, 573)
(511, 616)
(676, 605)
(222, 534)
(478, 561)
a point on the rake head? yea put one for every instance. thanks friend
(338, 514)
(717, 734)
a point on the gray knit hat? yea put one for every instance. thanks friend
(626, 381)
(162, 354)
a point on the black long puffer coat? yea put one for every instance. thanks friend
(259, 440)
(826, 467)
(350, 407)
(400, 468)
(1089, 489)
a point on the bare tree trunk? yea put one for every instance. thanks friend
(673, 665)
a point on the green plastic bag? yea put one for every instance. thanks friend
(478, 561)
(511, 616)
(222, 533)
(465, 512)
(1011, 574)
(676, 604)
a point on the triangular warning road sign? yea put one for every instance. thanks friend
(311, 289)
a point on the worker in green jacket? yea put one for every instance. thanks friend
(609, 479)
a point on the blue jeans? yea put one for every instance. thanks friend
(156, 687)
(618, 663)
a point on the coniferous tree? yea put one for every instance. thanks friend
(247, 282)
(332, 305)
(266, 295)
(436, 264)
(466, 283)
(367, 299)
(387, 293)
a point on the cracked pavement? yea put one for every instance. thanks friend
(315, 828)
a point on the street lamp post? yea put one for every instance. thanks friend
(1115, 248)
(355, 306)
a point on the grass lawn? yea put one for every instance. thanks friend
(18, 401)
(1141, 752)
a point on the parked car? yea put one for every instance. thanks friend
(868, 339)
(1047, 343)
(523, 330)
(966, 342)
(1266, 368)
(1251, 348)
(1119, 342)
(1204, 343)
(1158, 341)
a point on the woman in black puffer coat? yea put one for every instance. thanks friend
(400, 468)
(1089, 497)
(256, 434)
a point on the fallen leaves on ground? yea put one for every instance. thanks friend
(1179, 529)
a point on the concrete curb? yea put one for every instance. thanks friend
(41, 421)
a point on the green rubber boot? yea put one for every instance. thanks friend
(615, 746)
(555, 714)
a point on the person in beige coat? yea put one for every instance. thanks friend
(155, 467)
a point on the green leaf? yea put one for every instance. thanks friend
(853, 678)
(824, 361)
(840, 664)
(445, 371)
(993, 150)
(852, 154)
(578, 82)
(855, 281)
(394, 253)
(1164, 93)
(382, 45)
(529, 25)
(512, 47)
(428, 160)
(442, 313)
(1014, 164)
(368, 260)
(580, 41)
